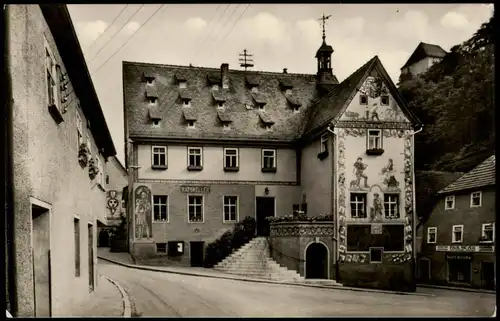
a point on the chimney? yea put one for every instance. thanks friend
(285, 70)
(224, 75)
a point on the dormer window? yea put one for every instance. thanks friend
(156, 123)
(215, 87)
(190, 123)
(151, 95)
(288, 91)
(150, 81)
(268, 127)
(266, 120)
(261, 106)
(293, 102)
(149, 77)
(186, 102)
(182, 84)
(226, 126)
(152, 100)
(190, 117)
(220, 104)
(254, 89)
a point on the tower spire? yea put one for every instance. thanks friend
(323, 21)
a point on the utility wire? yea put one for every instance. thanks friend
(112, 23)
(208, 36)
(126, 42)
(113, 36)
(209, 23)
(234, 24)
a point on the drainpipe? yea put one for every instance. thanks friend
(8, 170)
(414, 218)
(334, 200)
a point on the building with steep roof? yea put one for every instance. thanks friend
(424, 56)
(57, 145)
(459, 234)
(216, 145)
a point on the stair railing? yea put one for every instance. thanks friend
(271, 248)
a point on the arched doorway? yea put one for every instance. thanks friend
(316, 261)
(103, 239)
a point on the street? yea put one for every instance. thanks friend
(155, 294)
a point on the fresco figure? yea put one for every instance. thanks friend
(374, 112)
(389, 172)
(376, 209)
(142, 211)
(113, 202)
(359, 171)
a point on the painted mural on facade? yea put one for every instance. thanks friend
(374, 176)
(142, 211)
(113, 205)
(373, 108)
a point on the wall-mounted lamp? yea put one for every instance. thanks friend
(266, 191)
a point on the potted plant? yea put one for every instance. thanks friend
(93, 170)
(83, 155)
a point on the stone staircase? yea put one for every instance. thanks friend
(253, 260)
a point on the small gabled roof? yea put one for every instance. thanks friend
(148, 75)
(180, 76)
(154, 114)
(214, 78)
(189, 114)
(252, 80)
(286, 83)
(185, 94)
(425, 50)
(292, 100)
(259, 98)
(481, 176)
(151, 92)
(219, 96)
(224, 116)
(266, 119)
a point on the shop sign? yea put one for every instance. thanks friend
(195, 189)
(465, 248)
(459, 256)
(376, 228)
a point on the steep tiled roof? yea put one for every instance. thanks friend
(425, 50)
(247, 124)
(482, 175)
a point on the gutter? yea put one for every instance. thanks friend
(8, 168)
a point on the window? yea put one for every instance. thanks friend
(175, 248)
(79, 129)
(159, 154)
(431, 235)
(226, 126)
(76, 227)
(475, 199)
(220, 104)
(384, 100)
(51, 77)
(268, 159)
(230, 157)
(458, 234)
(363, 99)
(374, 139)
(358, 205)
(376, 254)
(215, 87)
(182, 84)
(230, 208)
(161, 247)
(107, 179)
(150, 81)
(101, 171)
(254, 89)
(299, 207)
(391, 205)
(449, 202)
(156, 123)
(324, 143)
(160, 208)
(268, 127)
(190, 123)
(152, 100)
(488, 233)
(195, 208)
(186, 102)
(194, 157)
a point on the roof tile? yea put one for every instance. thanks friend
(480, 176)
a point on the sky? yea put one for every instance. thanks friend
(277, 35)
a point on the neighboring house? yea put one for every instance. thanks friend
(59, 139)
(209, 147)
(116, 179)
(459, 237)
(424, 56)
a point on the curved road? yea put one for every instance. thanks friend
(156, 294)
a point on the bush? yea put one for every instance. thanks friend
(222, 247)
(301, 217)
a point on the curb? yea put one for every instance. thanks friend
(334, 287)
(127, 311)
(431, 286)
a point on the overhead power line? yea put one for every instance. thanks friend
(112, 23)
(113, 36)
(126, 42)
(208, 25)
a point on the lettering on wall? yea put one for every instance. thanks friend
(195, 189)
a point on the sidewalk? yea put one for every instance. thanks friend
(105, 301)
(124, 260)
(455, 288)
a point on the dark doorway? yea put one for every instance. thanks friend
(316, 261)
(488, 275)
(265, 208)
(424, 270)
(91, 257)
(196, 252)
(41, 261)
(459, 270)
(103, 239)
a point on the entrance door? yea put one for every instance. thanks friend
(103, 239)
(424, 270)
(488, 275)
(316, 261)
(91, 257)
(196, 252)
(41, 261)
(265, 208)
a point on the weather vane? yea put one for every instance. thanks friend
(324, 18)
